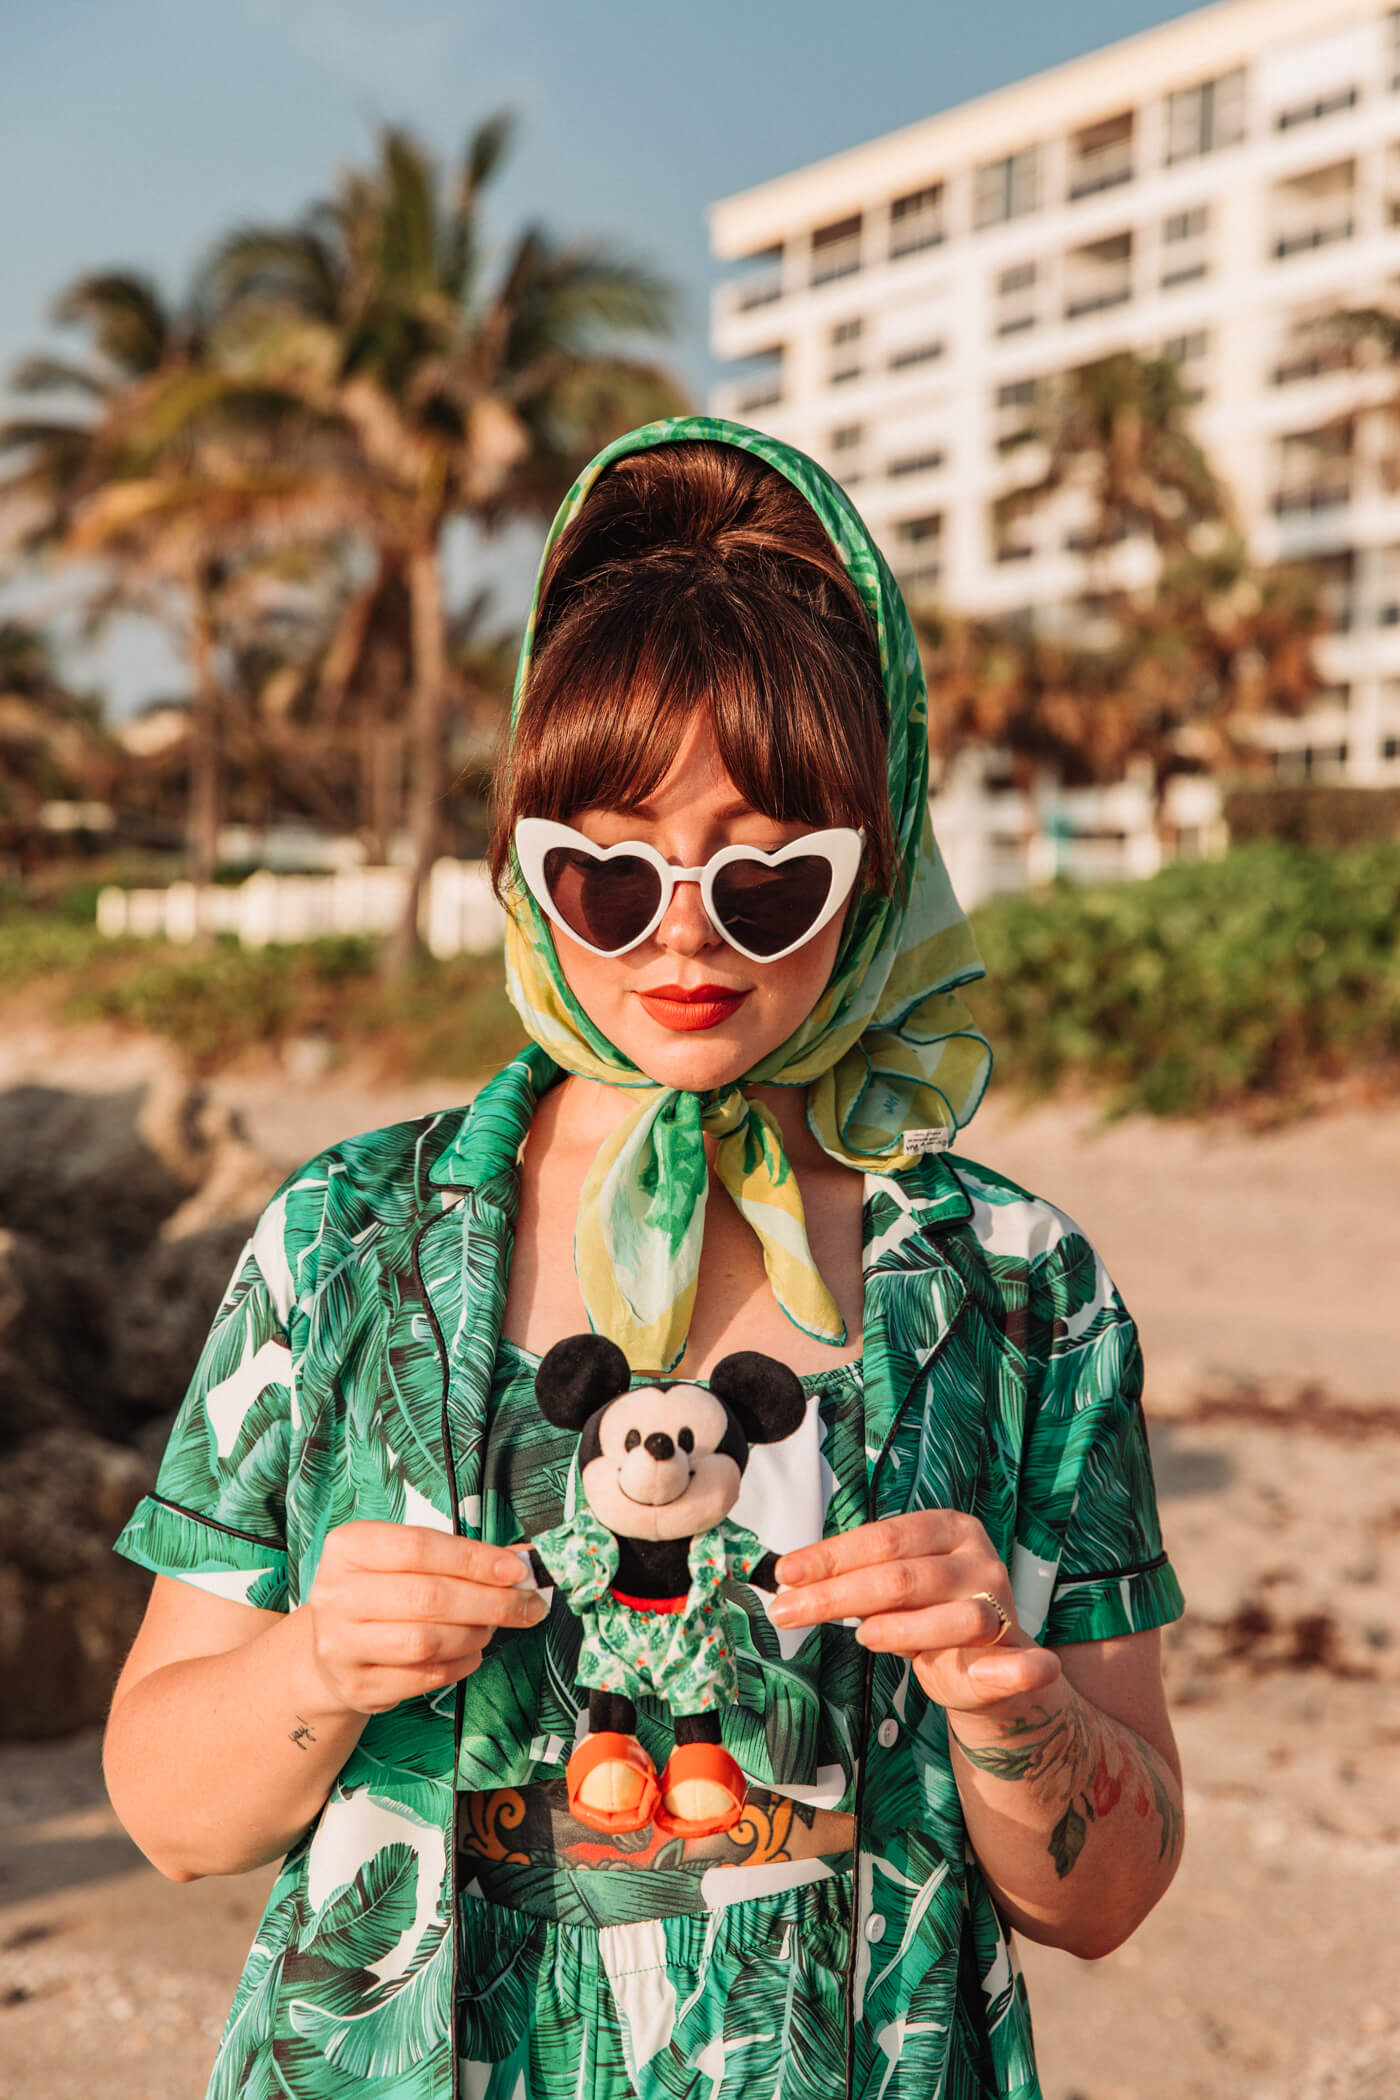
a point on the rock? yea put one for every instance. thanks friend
(121, 1217)
(68, 1606)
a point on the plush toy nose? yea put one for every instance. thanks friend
(660, 1445)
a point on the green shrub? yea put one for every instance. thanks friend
(1217, 982)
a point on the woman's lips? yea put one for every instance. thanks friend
(692, 1006)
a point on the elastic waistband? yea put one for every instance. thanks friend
(565, 1894)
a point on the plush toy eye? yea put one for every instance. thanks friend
(632, 1439)
(686, 1440)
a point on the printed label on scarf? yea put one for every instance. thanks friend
(927, 1140)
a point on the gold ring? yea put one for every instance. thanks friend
(986, 1597)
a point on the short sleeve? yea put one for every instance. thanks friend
(1089, 1530)
(217, 1516)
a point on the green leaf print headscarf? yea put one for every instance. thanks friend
(887, 1049)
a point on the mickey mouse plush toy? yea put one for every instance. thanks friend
(641, 1564)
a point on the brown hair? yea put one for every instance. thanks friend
(697, 579)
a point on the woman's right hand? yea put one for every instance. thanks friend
(398, 1610)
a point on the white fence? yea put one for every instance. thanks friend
(457, 914)
(992, 842)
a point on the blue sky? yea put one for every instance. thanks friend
(133, 132)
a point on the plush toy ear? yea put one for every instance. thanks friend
(578, 1376)
(765, 1397)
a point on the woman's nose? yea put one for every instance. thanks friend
(685, 926)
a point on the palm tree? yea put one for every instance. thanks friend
(1172, 671)
(1182, 680)
(52, 743)
(164, 468)
(461, 391)
(1115, 433)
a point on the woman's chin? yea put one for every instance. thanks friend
(693, 1063)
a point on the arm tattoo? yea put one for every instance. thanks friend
(1082, 1759)
(303, 1735)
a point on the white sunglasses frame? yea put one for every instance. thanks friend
(841, 848)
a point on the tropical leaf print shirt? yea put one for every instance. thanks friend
(349, 1373)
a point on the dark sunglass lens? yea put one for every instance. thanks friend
(608, 903)
(766, 909)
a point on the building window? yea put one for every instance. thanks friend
(1188, 352)
(1311, 762)
(1098, 275)
(1313, 210)
(918, 545)
(1006, 189)
(1016, 298)
(1390, 748)
(836, 250)
(1184, 246)
(1204, 118)
(844, 342)
(1308, 352)
(1315, 470)
(1101, 156)
(915, 354)
(916, 221)
(925, 462)
(1335, 577)
(1313, 112)
(762, 281)
(762, 383)
(1013, 419)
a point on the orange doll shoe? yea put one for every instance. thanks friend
(612, 1783)
(702, 1791)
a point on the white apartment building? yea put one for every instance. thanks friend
(1205, 189)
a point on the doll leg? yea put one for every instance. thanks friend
(611, 1713)
(702, 1789)
(610, 1778)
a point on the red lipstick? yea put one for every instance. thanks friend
(687, 1006)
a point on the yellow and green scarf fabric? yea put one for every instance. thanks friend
(888, 1049)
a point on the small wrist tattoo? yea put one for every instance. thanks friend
(304, 1734)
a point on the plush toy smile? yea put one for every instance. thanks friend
(642, 1563)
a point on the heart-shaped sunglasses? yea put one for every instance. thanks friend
(609, 898)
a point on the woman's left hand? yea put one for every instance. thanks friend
(913, 1582)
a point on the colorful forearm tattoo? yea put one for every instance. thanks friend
(1078, 1759)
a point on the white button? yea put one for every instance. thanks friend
(887, 1734)
(874, 1926)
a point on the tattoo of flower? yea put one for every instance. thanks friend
(1080, 1758)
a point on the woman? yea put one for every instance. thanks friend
(727, 1132)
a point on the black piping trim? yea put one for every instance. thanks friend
(1138, 1567)
(459, 1691)
(197, 1517)
(866, 1702)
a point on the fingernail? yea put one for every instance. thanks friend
(515, 1567)
(780, 1610)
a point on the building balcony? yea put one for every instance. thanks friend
(1101, 171)
(1097, 302)
(1302, 240)
(1308, 500)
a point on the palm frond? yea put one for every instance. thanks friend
(293, 266)
(407, 214)
(42, 374)
(125, 315)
